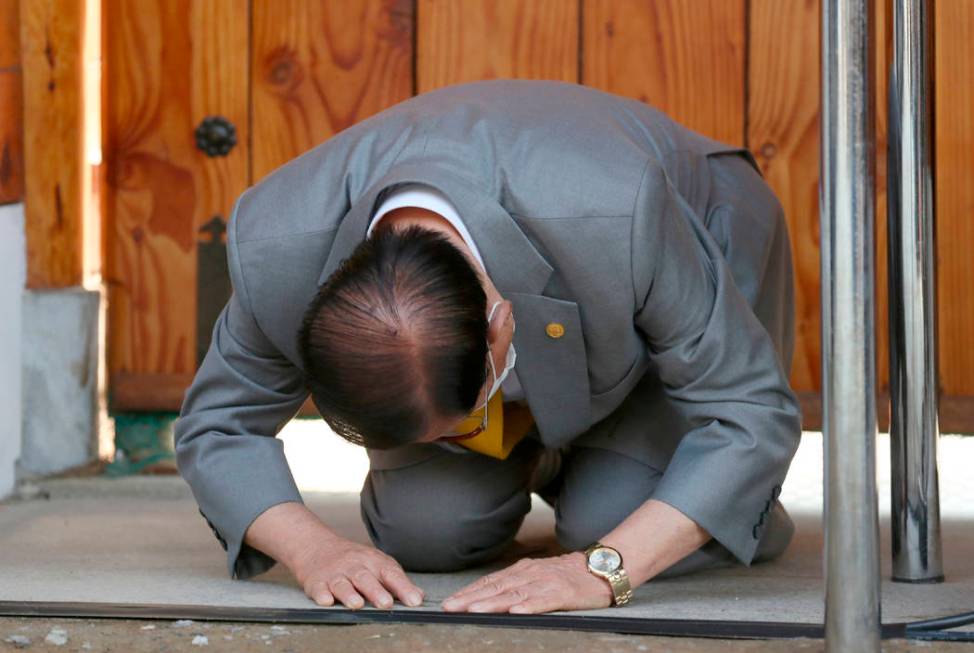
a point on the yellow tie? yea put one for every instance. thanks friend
(507, 424)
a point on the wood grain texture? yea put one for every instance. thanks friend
(956, 412)
(491, 39)
(685, 57)
(51, 57)
(954, 148)
(9, 34)
(163, 393)
(168, 64)
(11, 105)
(319, 67)
(783, 134)
(883, 57)
(146, 391)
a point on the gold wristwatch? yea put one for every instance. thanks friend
(606, 562)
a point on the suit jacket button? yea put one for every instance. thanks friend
(554, 330)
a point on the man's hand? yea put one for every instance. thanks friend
(329, 567)
(336, 569)
(531, 586)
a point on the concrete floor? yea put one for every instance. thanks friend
(140, 540)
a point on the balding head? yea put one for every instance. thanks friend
(396, 338)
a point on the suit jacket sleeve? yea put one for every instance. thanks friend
(719, 367)
(243, 393)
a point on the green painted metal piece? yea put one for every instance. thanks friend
(142, 440)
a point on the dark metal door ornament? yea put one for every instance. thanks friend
(216, 136)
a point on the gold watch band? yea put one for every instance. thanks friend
(621, 590)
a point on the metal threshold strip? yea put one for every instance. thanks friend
(622, 625)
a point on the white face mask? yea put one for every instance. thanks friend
(508, 363)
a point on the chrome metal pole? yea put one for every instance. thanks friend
(852, 610)
(914, 426)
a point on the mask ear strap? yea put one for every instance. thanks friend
(490, 315)
(493, 370)
(490, 355)
(493, 373)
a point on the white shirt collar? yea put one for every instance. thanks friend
(426, 197)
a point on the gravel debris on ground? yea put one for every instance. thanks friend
(182, 623)
(57, 637)
(19, 641)
(126, 636)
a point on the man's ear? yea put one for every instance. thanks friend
(497, 323)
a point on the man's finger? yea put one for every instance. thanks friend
(369, 586)
(404, 589)
(460, 601)
(497, 578)
(490, 581)
(343, 590)
(540, 602)
(504, 601)
(485, 592)
(318, 592)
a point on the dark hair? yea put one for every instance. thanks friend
(396, 335)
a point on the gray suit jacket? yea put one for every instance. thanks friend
(586, 208)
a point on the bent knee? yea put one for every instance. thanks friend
(576, 527)
(600, 489)
(444, 538)
(419, 550)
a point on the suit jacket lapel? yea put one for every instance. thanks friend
(512, 262)
(553, 371)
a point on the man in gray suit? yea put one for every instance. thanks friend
(572, 262)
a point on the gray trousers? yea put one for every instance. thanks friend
(453, 511)
(436, 510)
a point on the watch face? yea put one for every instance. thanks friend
(604, 560)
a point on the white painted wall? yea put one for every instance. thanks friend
(13, 271)
(59, 380)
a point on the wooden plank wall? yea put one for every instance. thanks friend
(783, 135)
(954, 120)
(168, 64)
(11, 105)
(319, 67)
(784, 87)
(742, 71)
(486, 39)
(686, 58)
(51, 35)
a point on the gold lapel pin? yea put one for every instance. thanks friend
(554, 330)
